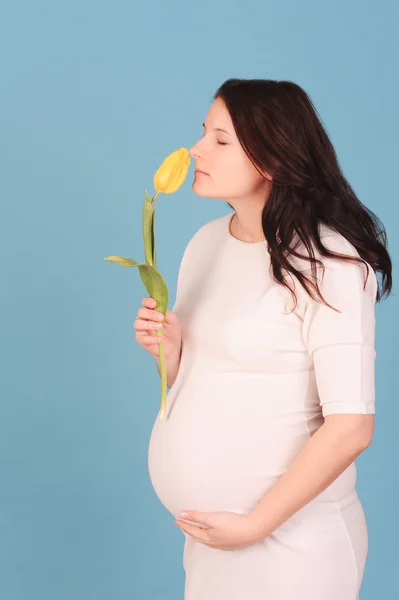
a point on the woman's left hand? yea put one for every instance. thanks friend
(225, 530)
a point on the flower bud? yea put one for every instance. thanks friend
(172, 172)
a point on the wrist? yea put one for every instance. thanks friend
(258, 525)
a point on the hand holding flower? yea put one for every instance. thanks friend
(168, 179)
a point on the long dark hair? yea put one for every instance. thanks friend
(282, 134)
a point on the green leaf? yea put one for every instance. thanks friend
(154, 254)
(124, 262)
(155, 285)
(147, 220)
(152, 279)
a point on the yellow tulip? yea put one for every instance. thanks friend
(169, 177)
(172, 171)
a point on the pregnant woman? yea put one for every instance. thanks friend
(270, 354)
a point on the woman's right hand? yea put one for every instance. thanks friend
(147, 324)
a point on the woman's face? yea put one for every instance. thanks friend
(230, 173)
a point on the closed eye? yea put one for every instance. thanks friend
(220, 143)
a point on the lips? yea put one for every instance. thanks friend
(199, 171)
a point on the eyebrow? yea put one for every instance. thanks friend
(218, 129)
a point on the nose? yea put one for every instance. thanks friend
(194, 152)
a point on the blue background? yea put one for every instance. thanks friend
(94, 95)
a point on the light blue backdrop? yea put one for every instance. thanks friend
(93, 96)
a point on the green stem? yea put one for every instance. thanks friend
(154, 198)
(162, 362)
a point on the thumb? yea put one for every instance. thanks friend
(196, 516)
(171, 317)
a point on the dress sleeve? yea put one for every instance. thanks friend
(341, 344)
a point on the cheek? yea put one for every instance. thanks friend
(237, 176)
(231, 175)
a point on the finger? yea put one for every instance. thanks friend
(152, 315)
(190, 529)
(194, 537)
(195, 517)
(149, 302)
(149, 339)
(141, 325)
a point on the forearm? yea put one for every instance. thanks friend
(325, 456)
(172, 367)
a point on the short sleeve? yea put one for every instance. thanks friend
(341, 344)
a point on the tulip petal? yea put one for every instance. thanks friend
(172, 172)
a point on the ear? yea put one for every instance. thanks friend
(266, 176)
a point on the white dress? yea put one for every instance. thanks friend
(254, 384)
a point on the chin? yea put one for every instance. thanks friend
(201, 190)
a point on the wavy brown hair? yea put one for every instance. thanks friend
(281, 132)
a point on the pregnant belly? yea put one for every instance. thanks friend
(223, 446)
